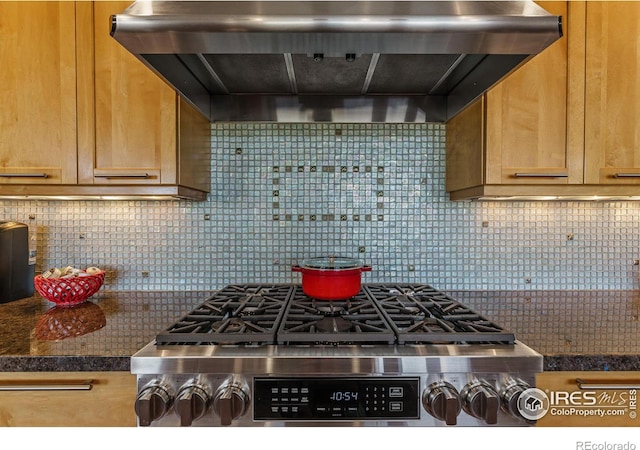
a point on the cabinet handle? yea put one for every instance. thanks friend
(540, 175)
(47, 385)
(626, 175)
(615, 385)
(24, 175)
(123, 175)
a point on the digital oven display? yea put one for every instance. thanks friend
(336, 399)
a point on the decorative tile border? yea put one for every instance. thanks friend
(290, 182)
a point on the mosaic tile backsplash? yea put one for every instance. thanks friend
(284, 192)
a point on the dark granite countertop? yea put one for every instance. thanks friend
(98, 335)
(574, 330)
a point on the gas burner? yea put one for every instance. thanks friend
(332, 310)
(333, 320)
(231, 325)
(333, 324)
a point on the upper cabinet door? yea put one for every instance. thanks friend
(612, 127)
(135, 111)
(526, 120)
(38, 91)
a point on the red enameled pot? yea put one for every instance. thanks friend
(331, 277)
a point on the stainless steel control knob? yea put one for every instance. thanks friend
(192, 402)
(480, 400)
(153, 402)
(510, 395)
(442, 401)
(231, 400)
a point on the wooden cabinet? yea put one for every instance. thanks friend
(126, 132)
(516, 135)
(612, 106)
(526, 120)
(109, 402)
(38, 89)
(565, 123)
(135, 121)
(141, 132)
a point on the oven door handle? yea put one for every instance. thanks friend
(614, 385)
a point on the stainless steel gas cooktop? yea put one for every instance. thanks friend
(394, 354)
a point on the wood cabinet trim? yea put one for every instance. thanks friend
(86, 91)
(576, 91)
(465, 157)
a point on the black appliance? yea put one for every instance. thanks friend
(16, 269)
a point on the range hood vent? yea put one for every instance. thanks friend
(335, 61)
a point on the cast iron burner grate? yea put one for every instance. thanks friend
(238, 314)
(422, 314)
(256, 314)
(353, 321)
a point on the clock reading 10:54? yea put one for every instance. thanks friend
(344, 396)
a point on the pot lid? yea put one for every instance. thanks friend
(331, 263)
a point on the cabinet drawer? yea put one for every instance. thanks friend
(48, 399)
(590, 399)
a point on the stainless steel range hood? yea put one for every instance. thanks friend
(334, 61)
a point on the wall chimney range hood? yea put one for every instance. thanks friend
(334, 61)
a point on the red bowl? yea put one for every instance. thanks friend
(62, 322)
(68, 291)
